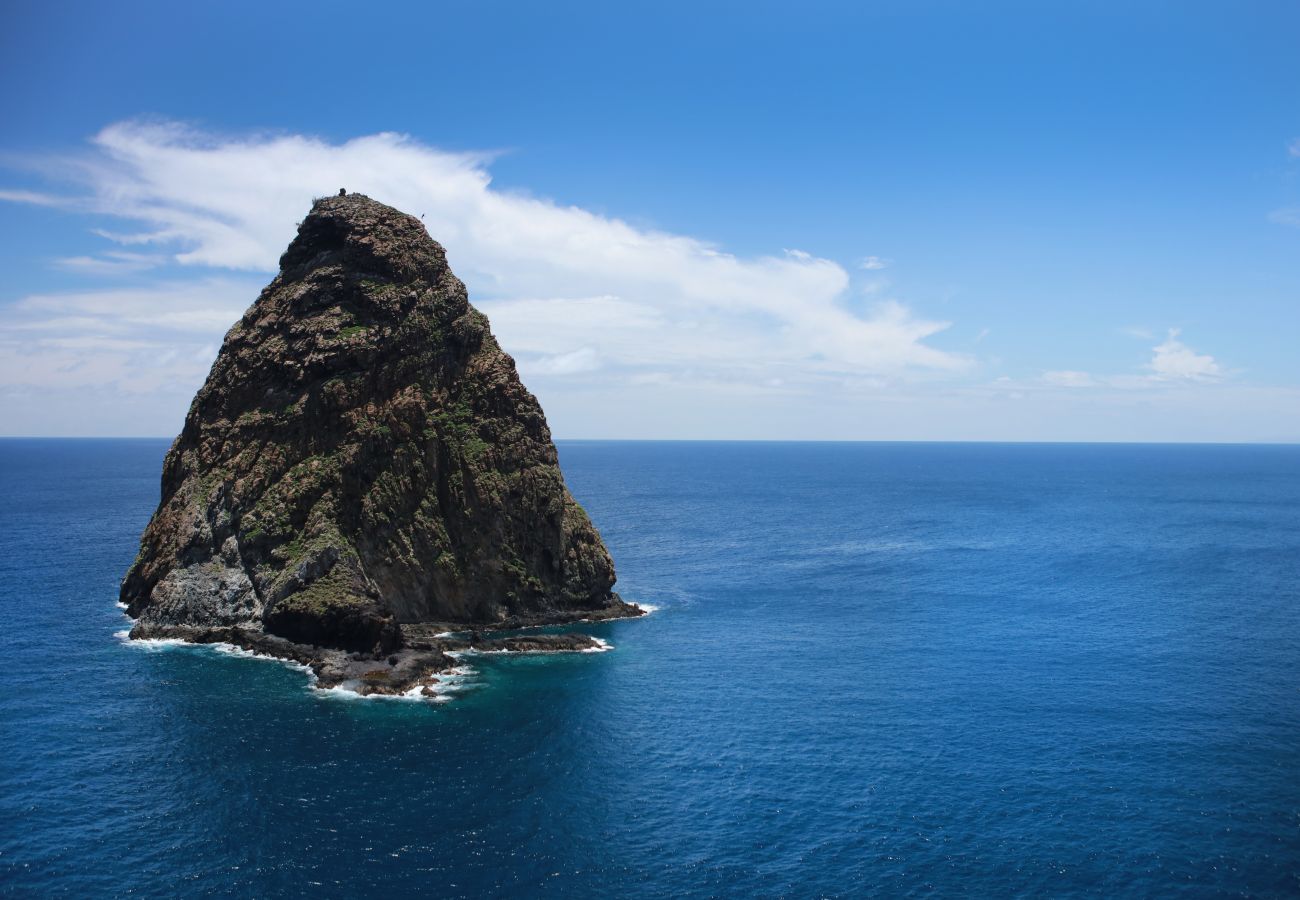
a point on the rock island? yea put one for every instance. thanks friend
(362, 472)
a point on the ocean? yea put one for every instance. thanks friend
(873, 669)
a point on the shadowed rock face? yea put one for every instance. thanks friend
(362, 455)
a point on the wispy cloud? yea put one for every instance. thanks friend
(666, 334)
(1172, 362)
(113, 262)
(160, 339)
(568, 290)
(1289, 215)
(584, 359)
(1068, 378)
(35, 198)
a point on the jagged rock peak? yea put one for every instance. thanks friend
(363, 455)
(367, 237)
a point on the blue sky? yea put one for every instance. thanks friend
(1002, 221)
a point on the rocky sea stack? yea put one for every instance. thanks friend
(362, 457)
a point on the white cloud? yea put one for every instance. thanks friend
(114, 262)
(567, 290)
(872, 263)
(1174, 360)
(584, 359)
(1293, 148)
(1289, 215)
(1069, 378)
(34, 198)
(159, 340)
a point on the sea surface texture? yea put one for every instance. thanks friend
(874, 668)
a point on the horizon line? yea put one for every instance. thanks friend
(1241, 443)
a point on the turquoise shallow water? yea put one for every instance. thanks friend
(876, 668)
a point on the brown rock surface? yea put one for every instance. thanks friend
(363, 455)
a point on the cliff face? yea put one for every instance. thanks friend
(362, 455)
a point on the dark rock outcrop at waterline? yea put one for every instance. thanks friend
(363, 455)
(410, 671)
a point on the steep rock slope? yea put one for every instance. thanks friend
(363, 455)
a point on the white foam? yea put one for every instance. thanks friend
(440, 685)
(150, 643)
(453, 680)
(648, 607)
(344, 690)
(121, 605)
(450, 682)
(245, 653)
(433, 689)
(157, 643)
(219, 647)
(601, 646)
(351, 690)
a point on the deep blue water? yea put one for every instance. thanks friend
(889, 668)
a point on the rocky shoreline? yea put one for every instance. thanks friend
(617, 609)
(428, 649)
